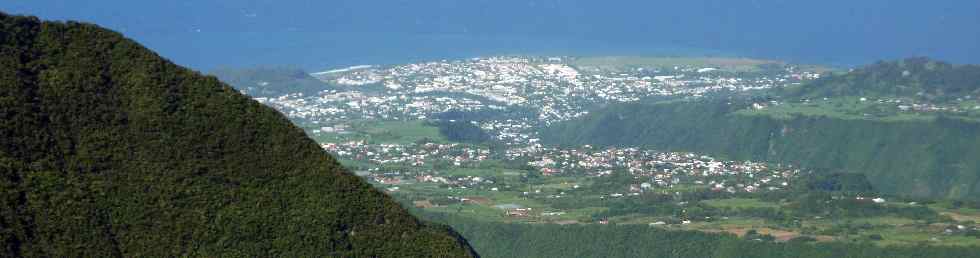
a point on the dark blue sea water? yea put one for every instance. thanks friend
(318, 35)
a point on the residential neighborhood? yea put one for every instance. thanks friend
(395, 164)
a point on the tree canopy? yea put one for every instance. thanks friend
(109, 150)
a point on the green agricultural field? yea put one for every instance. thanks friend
(740, 203)
(738, 223)
(893, 221)
(479, 212)
(482, 172)
(355, 164)
(395, 132)
(849, 108)
(904, 236)
(852, 108)
(402, 132)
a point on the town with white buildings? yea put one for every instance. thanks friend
(541, 91)
(383, 124)
(513, 98)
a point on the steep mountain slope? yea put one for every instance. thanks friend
(108, 150)
(271, 82)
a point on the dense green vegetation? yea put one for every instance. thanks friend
(271, 81)
(461, 131)
(933, 157)
(495, 239)
(108, 150)
(914, 77)
(851, 183)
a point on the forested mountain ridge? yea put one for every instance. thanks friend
(913, 77)
(271, 81)
(108, 150)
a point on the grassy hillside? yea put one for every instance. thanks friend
(921, 78)
(923, 157)
(108, 150)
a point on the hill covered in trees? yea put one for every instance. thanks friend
(271, 81)
(108, 150)
(921, 78)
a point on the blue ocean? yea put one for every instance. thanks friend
(319, 35)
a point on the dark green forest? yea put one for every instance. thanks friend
(931, 158)
(495, 239)
(461, 131)
(109, 150)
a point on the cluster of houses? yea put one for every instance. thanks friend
(656, 170)
(414, 154)
(395, 178)
(340, 106)
(662, 170)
